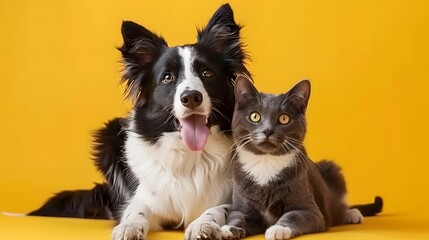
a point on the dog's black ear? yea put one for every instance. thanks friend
(222, 34)
(140, 49)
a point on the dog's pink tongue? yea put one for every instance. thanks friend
(194, 132)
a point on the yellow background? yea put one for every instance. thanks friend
(367, 61)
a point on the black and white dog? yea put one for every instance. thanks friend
(167, 164)
(168, 161)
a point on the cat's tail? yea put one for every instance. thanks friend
(370, 209)
(333, 177)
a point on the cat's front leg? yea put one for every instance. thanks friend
(235, 227)
(207, 226)
(295, 223)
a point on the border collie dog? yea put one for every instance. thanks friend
(167, 162)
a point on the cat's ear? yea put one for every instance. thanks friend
(244, 89)
(300, 94)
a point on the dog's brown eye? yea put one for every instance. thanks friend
(167, 78)
(255, 117)
(207, 73)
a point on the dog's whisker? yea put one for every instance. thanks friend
(215, 100)
(221, 114)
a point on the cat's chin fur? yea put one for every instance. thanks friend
(264, 168)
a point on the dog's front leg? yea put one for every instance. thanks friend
(136, 219)
(207, 226)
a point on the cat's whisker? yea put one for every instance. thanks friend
(240, 147)
(293, 149)
(307, 160)
(293, 140)
(297, 157)
(303, 157)
(237, 143)
(288, 149)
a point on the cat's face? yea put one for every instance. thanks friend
(269, 124)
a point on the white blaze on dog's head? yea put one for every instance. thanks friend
(192, 105)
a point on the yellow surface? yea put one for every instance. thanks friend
(367, 61)
(389, 227)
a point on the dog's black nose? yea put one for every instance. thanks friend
(191, 99)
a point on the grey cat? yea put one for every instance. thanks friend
(277, 188)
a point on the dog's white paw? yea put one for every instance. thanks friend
(232, 233)
(203, 231)
(129, 231)
(353, 216)
(278, 232)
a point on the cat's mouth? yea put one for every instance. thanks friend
(270, 146)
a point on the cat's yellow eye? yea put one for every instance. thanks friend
(255, 117)
(284, 119)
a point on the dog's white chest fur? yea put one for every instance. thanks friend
(177, 184)
(264, 168)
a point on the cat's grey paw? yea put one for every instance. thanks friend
(353, 216)
(129, 231)
(278, 232)
(232, 233)
(203, 231)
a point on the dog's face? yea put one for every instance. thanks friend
(184, 88)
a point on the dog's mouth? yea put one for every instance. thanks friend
(195, 131)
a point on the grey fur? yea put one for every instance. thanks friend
(304, 197)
